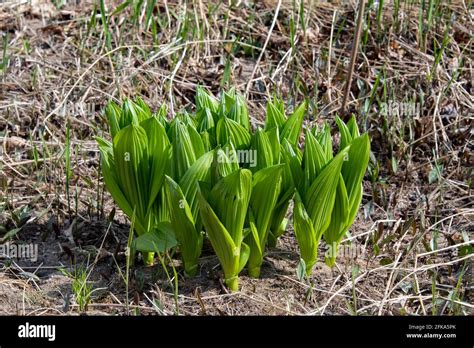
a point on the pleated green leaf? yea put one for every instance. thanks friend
(184, 151)
(305, 234)
(346, 137)
(336, 229)
(239, 113)
(196, 141)
(223, 215)
(354, 168)
(229, 130)
(159, 155)
(130, 149)
(230, 198)
(243, 257)
(263, 147)
(221, 240)
(143, 109)
(205, 100)
(293, 159)
(226, 162)
(253, 239)
(112, 111)
(325, 140)
(353, 128)
(319, 199)
(275, 116)
(292, 127)
(111, 181)
(314, 159)
(183, 224)
(160, 239)
(265, 191)
(200, 171)
(205, 120)
(273, 135)
(356, 200)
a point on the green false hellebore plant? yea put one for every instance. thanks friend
(349, 188)
(222, 121)
(133, 166)
(177, 179)
(183, 208)
(328, 198)
(223, 209)
(266, 185)
(314, 200)
(282, 132)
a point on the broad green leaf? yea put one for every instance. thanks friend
(200, 171)
(301, 270)
(159, 155)
(325, 140)
(292, 128)
(354, 208)
(205, 120)
(183, 224)
(346, 137)
(205, 100)
(222, 243)
(314, 159)
(226, 162)
(305, 234)
(263, 148)
(132, 167)
(254, 239)
(265, 192)
(113, 113)
(160, 239)
(243, 257)
(275, 117)
(319, 199)
(196, 141)
(161, 116)
(183, 153)
(352, 126)
(340, 214)
(291, 157)
(230, 199)
(143, 109)
(239, 113)
(354, 168)
(229, 130)
(274, 139)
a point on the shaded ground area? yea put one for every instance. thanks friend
(410, 250)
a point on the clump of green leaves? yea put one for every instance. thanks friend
(330, 191)
(182, 180)
(266, 185)
(183, 208)
(134, 164)
(349, 187)
(283, 137)
(223, 210)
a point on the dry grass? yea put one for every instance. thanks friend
(417, 209)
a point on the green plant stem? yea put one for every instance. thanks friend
(148, 258)
(279, 231)
(232, 283)
(254, 272)
(191, 268)
(330, 259)
(310, 266)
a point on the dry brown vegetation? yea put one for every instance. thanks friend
(61, 63)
